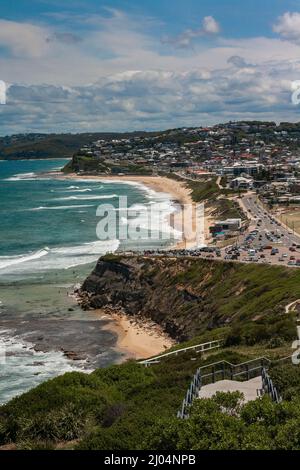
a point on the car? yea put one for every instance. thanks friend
(292, 249)
(284, 255)
(292, 263)
(292, 258)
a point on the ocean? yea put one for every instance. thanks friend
(48, 244)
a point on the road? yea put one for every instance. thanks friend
(266, 241)
(270, 233)
(268, 223)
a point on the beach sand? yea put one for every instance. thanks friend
(179, 193)
(137, 338)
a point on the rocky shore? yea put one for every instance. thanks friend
(143, 290)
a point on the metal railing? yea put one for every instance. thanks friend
(191, 394)
(269, 388)
(198, 348)
(223, 370)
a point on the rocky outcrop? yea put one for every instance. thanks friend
(154, 289)
(188, 296)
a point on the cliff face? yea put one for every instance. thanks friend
(188, 296)
(134, 285)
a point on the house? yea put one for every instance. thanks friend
(229, 225)
(241, 183)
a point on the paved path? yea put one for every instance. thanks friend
(249, 388)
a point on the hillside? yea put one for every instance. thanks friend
(39, 146)
(189, 297)
(133, 407)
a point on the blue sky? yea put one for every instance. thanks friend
(84, 65)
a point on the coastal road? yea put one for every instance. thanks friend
(268, 221)
(270, 233)
(264, 231)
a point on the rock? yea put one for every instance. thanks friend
(74, 356)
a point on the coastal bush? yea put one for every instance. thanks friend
(286, 377)
(221, 423)
(273, 334)
(59, 409)
(133, 407)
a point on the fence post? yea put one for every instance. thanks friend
(213, 375)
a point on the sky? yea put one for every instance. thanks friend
(124, 65)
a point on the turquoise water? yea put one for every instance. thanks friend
(48, 243)
(49, 223)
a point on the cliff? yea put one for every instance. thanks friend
(190, 296)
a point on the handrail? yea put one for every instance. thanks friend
(218, 343)
(237, 365)
(197, 381)
(269, 388)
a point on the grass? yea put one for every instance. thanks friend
(291, 218)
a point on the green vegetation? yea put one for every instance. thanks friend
(222, 423)
(89, 164)
(203, 191)
(287, 380)
(209, 192)
(199, 296)
(130, 406)
(112, 408)
(33, 146)
(42, 146)
(85, 164)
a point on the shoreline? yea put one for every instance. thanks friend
(177, 190)
(138, 338)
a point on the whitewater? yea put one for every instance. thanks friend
(48, 243)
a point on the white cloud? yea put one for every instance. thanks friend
(288, 26)
(136, 83)
(23, 39)
(153, 99)
(209, 27)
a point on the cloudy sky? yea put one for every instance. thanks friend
(96, 65)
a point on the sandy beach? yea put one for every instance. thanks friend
(137, 338)
(179, 193)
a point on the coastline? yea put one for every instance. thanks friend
(137, 338)
(177, 190)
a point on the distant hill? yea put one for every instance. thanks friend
(36, 146)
